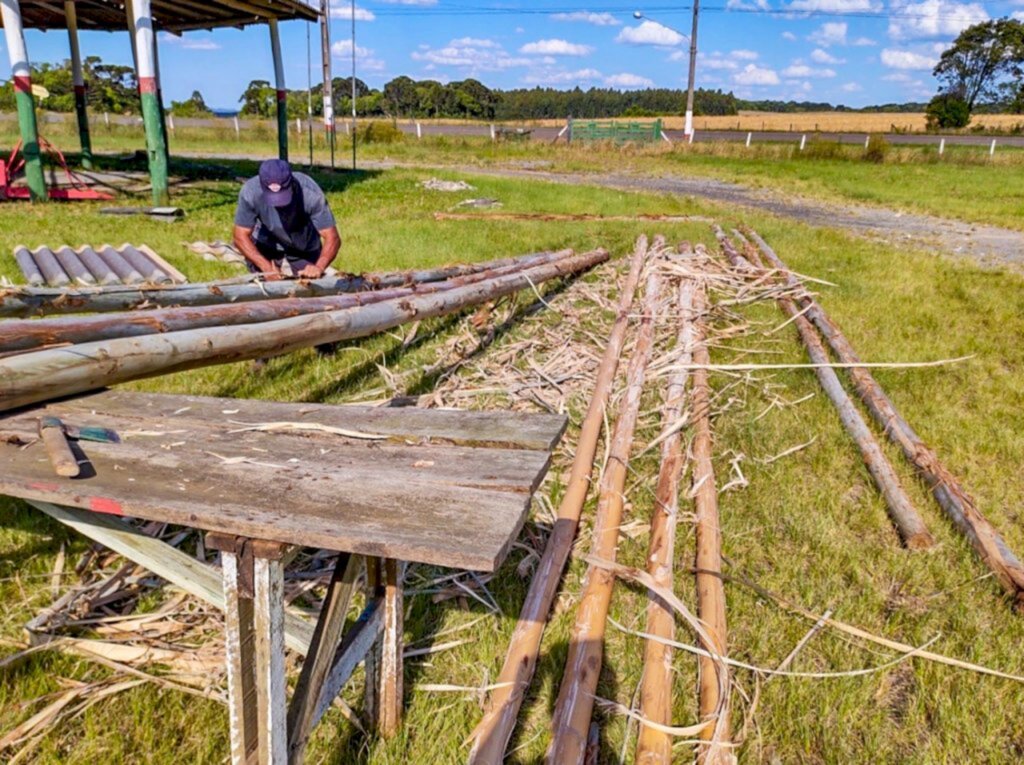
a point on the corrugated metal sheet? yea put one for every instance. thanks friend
(91, 266)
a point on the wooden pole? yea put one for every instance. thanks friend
(156, 146)
(27, 334)
(21, 77)
(491, 736)
(911, 528)
(33, 377)
(575, 704)
(950, 494)
(78, 82)
(654, 747)
(325, 58)
(39, 301)
(282, 91)
(713, 692)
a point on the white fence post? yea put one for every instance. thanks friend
(749, 136)
(867, 140)
(992, 148)
(942, 146)
(494, 135)
(803, 141)
(238, 128)
(106, 118)
(419, 131)
(170, 121)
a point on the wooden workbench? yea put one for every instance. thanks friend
(381, 486)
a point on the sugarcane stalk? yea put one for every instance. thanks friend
(492, 734)
(25, 334)
(713, 687)
(41, 375)
(575, 704)
(949, 493)
(40, 301)
(654, 746)
(908, 522)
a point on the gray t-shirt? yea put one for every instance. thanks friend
(293, 229)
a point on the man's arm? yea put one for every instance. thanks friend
(242, 238)
(331, 240)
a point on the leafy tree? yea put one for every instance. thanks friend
(983, 59)
(259, 99)
(194, 106)
(947, 110)
(401, 97)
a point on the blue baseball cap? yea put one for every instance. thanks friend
(276, 182)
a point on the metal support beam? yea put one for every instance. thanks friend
(282, 92)
(78, 80)
(156, 145)
(21, 76)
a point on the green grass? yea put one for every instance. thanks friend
(809, 526)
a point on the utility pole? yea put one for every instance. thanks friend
(325, 52)
(688, 129)
(353, 84)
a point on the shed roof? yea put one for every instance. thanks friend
(168, 15)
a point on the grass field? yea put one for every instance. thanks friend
(809, 526)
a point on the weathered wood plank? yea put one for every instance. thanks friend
(390, 689)
(268, 627)
(241, 666)
(357, 645)
(178, 568)
(497, 429)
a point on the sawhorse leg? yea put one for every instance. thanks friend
(388, 695)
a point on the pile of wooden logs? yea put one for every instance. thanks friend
(47, 358)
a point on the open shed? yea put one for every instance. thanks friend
(142, 19)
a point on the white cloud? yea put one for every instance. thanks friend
(745, 55)
(835, 6)
(897, 77)
(851, 87)
(556, 48)
(409, 2)
(597, 19)
(650, 33)
(798, 69)
(190, 42)
(789, 36)
(864, 42)
(829, 33)
(907, 59)
(752, 74)
(345, 12)
(747, 5)
(562, 77)
(365, 58)
(932, 19)
(626, 81)
(820, 56)
(716, 61)
(1017, 15)
(471, 55)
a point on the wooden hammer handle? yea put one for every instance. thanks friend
(58, 449)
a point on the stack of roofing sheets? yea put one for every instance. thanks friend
(90, 266)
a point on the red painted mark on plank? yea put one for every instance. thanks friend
(41, 486)
(22, 84)
(147, 84)
(105, 505)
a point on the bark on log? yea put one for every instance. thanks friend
(575, 704)
(949, 493)
(908, 522)
(41, 301)
(654, 747)
(492, 734)
(26, 334)
(33, 377)
(713, 691)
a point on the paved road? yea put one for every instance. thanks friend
(739, 136)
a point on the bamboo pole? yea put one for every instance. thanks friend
(33, 377)
(40, 301)
(949, 493)
(912, 530)
(491, 735)
(713, 687)
(575, 704)
(654, 746)
(19, 335)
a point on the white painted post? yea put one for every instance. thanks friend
(419, 131)
(803, 141)
(238, 128)
(992, 148)
(347, 131)
(942, 146)
(170, 121)
(749, 136)
(666, 138)
(494, 135)
(689, 138)
(268, 581)
(867, 140)
(106, 118)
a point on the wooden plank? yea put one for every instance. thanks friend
(178, 568)
(317, 666)
(176, 276)
(357, 645)
(239, 647)
(268, 625)
(389, 715)
(498, 429)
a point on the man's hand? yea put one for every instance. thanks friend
(273, 275)
(312, 271)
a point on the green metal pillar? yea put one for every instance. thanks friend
(78, 80)
(156, 144)
(21, 76)
(282, 92)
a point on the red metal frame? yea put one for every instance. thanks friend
(16, 162)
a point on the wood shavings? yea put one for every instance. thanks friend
(304, 427)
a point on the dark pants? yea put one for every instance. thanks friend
(297, 261)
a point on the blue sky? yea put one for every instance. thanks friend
(855, 52)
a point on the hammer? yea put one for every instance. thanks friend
(55, 434)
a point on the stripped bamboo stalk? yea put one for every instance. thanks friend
(33, 377)
(575, 704)
(908, 522)
(654, 746)
(713, 688)
(951, 496)
(492, 734)
(26, 334)
(39, 301)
